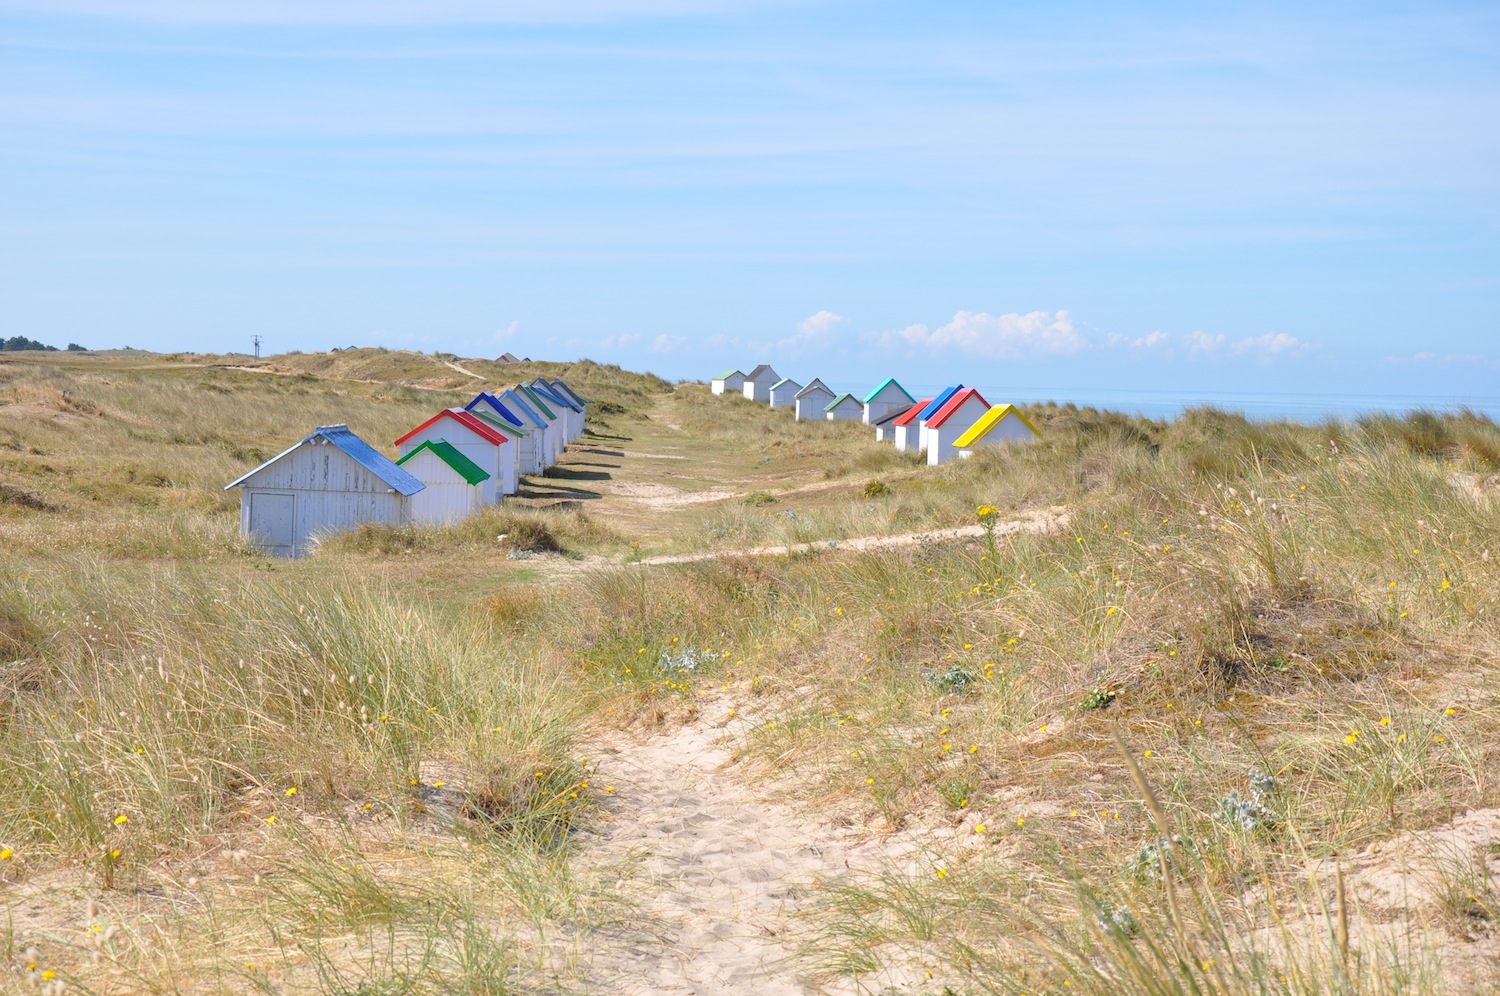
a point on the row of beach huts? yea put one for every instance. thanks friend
(954, 422)
(447, 468)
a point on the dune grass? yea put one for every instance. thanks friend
(366, 770)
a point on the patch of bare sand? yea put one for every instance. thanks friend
(1037, 522)
(664, 496)
(1437, 884)
(463, 370)
(725, 876)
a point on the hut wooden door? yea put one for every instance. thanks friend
(272, 522)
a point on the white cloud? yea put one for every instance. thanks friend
(1448, 359)
(1270, 345)
(1008, 336)
(667, 343)
(623, 341)
(1202, 343)
(813, 332)
(506, 333)
(1152, 340)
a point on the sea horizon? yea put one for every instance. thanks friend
(1261, 406)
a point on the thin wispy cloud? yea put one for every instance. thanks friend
(1008, 336)
(1038, 335)
(1223, 190)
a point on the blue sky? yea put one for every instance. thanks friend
(1253, 197)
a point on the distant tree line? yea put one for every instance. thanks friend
(19, 342)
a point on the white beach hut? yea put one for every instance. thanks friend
(453, 483)
(553, 440)
(906, 428)
(475, 438)
(509, 481)
(887, 397)
(728, 382)
(784, 393)
(999, 426)
(491, 409)
(812, 399)
(885, 426)
(571, 414)
(329, 482)
(536, 433)
(844, 407)
(578, 400)
(951, 421)
(931, 410)
(758, 383)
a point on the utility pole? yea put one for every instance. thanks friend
(256, 340)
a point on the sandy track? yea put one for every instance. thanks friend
(1037, 523)
(463, 370)
(725, 878)
(722, 873)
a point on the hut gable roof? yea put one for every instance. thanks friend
(448, 453)
(840, 400)
(537, 402)
(466, 419)
(953, 404)
(890, 417)
(785, 381)
(525, 409)
(485, 401)
(355, 449)
(499, 424)
(728, 374)
(764, 370)
(550, 393)
(564, 388)
(988, 421)
(888, 382)
(816, 384)
(942, 399)
(910, 415)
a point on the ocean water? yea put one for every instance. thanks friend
(1260, 406)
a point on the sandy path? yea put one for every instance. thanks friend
(1038, 522)
(463, 370)
(722, 873)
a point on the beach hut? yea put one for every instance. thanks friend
(521, 407)
(906, 426)
(330, 481)
(507, 358)
(509, 480)
(888, 397)
(931, 410)
(556, 430)
(728, 382)
(951, 421)
(577, 399)
(844, 407)
(474, 438)
(453, 484)
(1000, 425)
(572, 415)
(885, 426)
(758, 383)
(812, 399)
(784, 393)
(491, 409)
